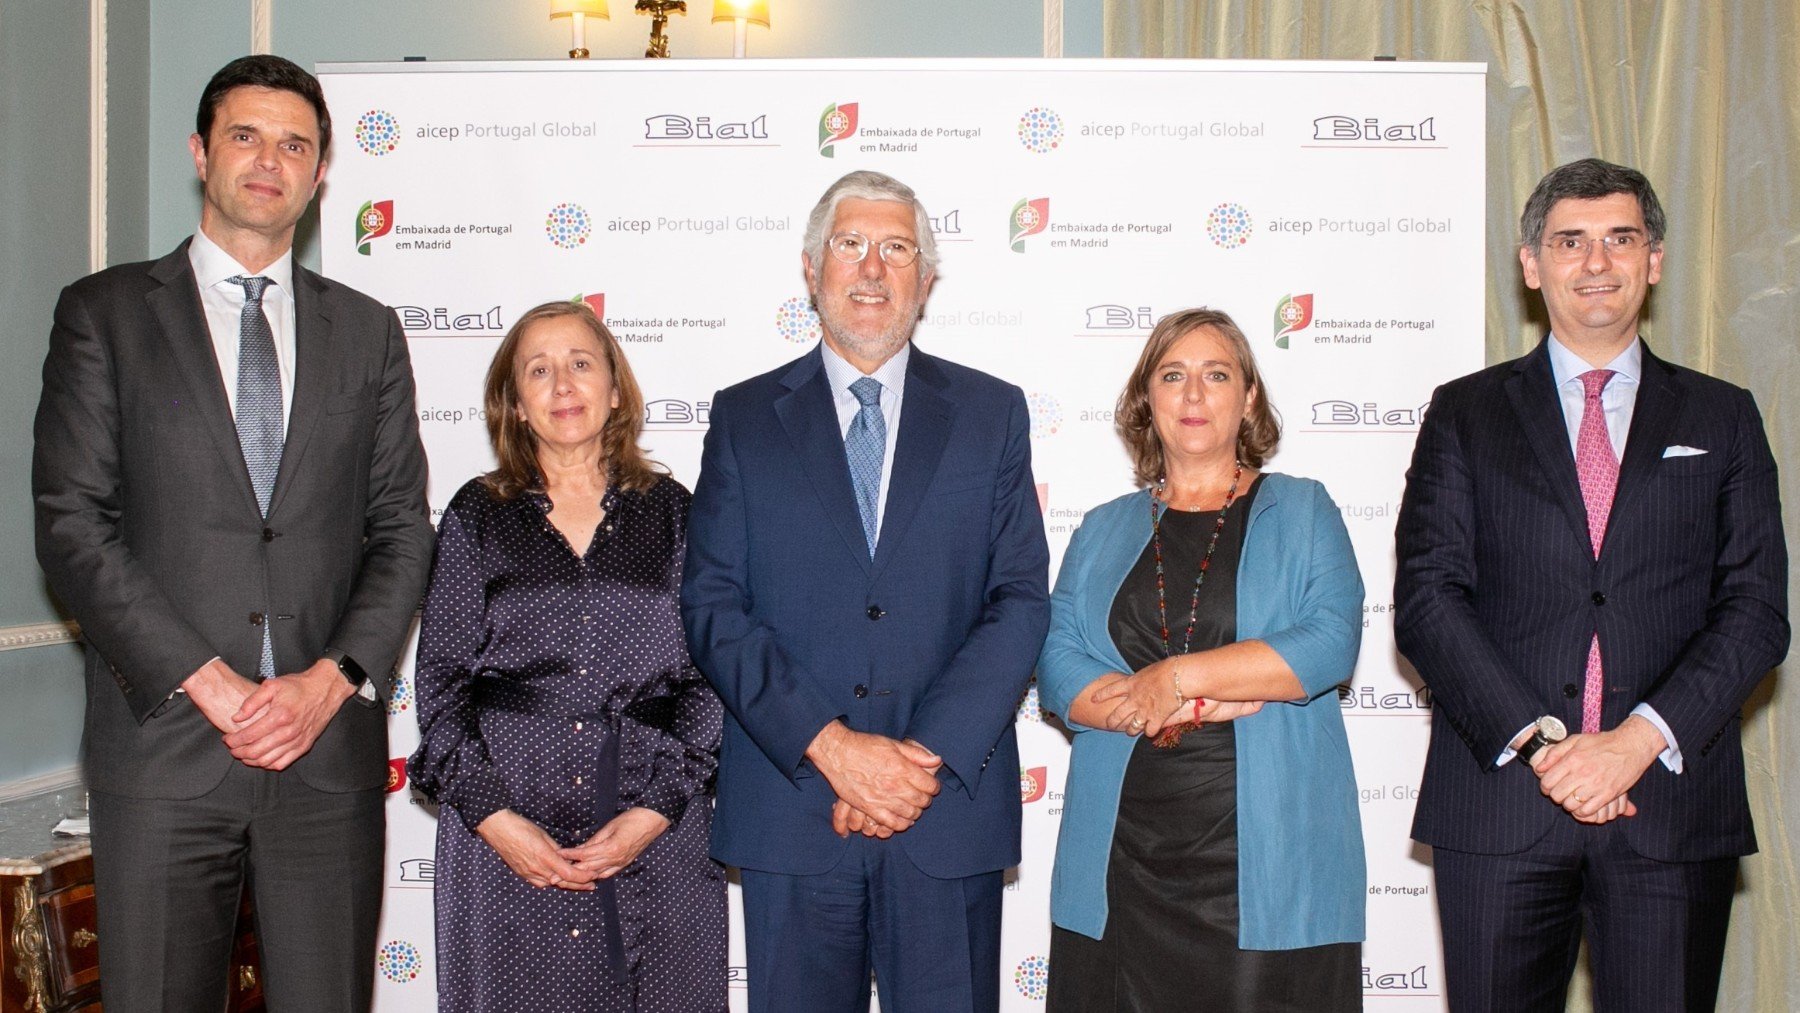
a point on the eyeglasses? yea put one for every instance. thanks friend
(1570, 249)
(853, 248)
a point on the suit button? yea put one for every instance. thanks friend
(256, 618)
(860, 691)
(1570, 691)
(875, 612)
(268, 534)
(1599, 597)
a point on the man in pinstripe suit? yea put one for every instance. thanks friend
(1592, 578)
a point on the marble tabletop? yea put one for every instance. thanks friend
(27, 847)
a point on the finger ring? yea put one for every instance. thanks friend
(1137, 722)
(1580, 801)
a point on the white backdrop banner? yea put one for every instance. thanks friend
(1335, 210)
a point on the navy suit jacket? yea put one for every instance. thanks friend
(1498, 593)
(934, 639)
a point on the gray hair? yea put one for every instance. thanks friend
(1589, 179)
(866, 184)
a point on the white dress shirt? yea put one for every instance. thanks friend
(223, 301)
(892, 377)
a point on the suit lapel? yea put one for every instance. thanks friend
(176, 308)
(810, 420)
(1532, 390)
(313, 341)
(925, 422)
(1659, 401)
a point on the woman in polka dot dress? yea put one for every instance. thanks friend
(564, 732)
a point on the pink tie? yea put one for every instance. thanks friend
(1598, 469)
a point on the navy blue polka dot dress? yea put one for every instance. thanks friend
(537, 671)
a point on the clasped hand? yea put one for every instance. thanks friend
(1145, 703)
(1588, 775)
(534, 856)
(883, 785)
(273, 724)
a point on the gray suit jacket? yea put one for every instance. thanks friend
(149, 533)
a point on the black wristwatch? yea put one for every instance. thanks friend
(1549, 730)
(353, 672)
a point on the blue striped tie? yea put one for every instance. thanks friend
(259, 415)
(865, 445)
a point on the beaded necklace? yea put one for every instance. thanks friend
(1172, 735)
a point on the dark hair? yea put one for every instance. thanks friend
(1589, 179)
(1258, 434)
(263, 71)
(515, 445)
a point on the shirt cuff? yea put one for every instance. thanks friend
(1507, 754)
(1671, 756)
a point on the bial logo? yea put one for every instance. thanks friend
(377, 132)
(418, 870)
(1344, 129)
(418, 320)
(1040, 130)
(1367, 416)
(671, 412)
(373, 220)
(1292, 313)
(836, 123)
(676, 127)
(1029, 217)
(1109, 316)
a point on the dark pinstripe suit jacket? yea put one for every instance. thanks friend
(1498, 593)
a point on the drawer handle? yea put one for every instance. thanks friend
(246, 977)
(82, 939)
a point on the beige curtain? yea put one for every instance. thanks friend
(1704, 97)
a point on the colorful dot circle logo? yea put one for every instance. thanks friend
(400, 696)
(1032, 977)
(1046, 415)
(1040, 130)
(377, 132)
(568, 225)
(1029, 708)
(1228, 226)
(399, 961)
(797, 321)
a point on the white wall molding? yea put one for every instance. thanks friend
(16, 638)
(1053, 27)
(96, 134)
(52, 780)
(262, 26)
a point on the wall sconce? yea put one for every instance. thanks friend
(578, 11)
(659, 11)
(744, 13)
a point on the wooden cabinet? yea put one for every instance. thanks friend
(49, 943)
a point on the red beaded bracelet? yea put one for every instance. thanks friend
(1199, 702)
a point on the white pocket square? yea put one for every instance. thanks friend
(1681, 451)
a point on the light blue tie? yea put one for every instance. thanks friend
(865, 445)
(259, 415)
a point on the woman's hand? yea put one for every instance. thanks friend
(618, 843)
(1215, 711)
(531, 853)
(1141, 704)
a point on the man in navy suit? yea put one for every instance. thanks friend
(866, 587)
(1592, 578)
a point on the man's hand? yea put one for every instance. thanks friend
(847, 820)
(1587, 774)
(888, 781)
(220, 693)
(282, 719)
(618, 843)
(529, 852)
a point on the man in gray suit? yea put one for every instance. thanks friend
(230, 498)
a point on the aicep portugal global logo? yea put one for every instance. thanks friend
(377, 132)
(1029, 217)
(1040, 130)
(373, 220)
(568, 225)
(836, 123)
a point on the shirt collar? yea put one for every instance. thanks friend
(840, 374)
(212, 265)
(1566, 365)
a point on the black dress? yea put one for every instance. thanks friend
(1171, 883)
(558, 685)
